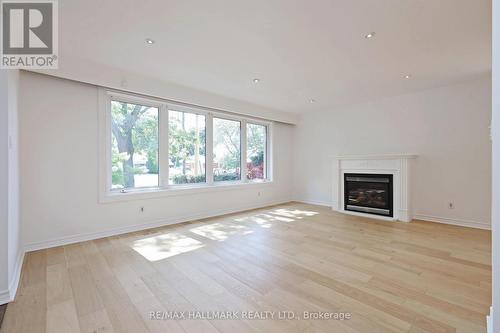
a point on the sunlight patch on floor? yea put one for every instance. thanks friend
(264, 223)
(284, 219)
(220, 232)
(165, 245)
(293, 213)
(276, 217)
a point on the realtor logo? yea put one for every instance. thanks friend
(29, 34)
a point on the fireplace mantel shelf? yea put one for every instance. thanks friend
(376, 157)
(398, 165)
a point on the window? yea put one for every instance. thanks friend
(134, 147)
(150, 145)
(256, 151)
(226, 150)
(187, 147)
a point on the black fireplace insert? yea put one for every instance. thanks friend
(368, 193)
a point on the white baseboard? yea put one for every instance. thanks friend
(430, 218)
(65, 240)
(458, 222)
(489, 321)
(16, 276)
(9, 295)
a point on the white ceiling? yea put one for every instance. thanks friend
(299, 49)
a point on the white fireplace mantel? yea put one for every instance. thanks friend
(398, 165)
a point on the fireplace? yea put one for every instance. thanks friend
(368, 193)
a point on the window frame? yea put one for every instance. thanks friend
(105, 96)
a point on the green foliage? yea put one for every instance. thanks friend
(227, 134)
(230, 161)
(135, 137)
(145, 135)
(256, 135)
(226, 177)
(187, 179)
(257, 159)
(184, 143)
(152, 162)
(117, 166)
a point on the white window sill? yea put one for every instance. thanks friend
(177, 190)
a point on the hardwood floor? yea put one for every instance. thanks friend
(391, 277)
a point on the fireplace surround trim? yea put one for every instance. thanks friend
(397, 165)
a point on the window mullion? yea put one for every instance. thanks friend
(109, 149)
(269, 152)
(243, 141)
(209, 148)
(266, 153)
(163, 157)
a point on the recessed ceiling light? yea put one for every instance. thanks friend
(407, 76)
(370, 35)
(312, 100)
(256, 80)
(149, 41)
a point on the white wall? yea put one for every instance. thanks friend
(14, 245)
(494, 323)
(102, 75)
(59, 167)
(447, 127)
(10, 249)
(4, 175)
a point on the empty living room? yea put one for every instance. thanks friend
(250, 166)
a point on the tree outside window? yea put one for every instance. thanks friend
(134, 145)
(256, 151)
(187, 147)
(227, 150)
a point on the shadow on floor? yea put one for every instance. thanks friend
(2, 312)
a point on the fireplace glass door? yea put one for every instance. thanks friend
(368, 193)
